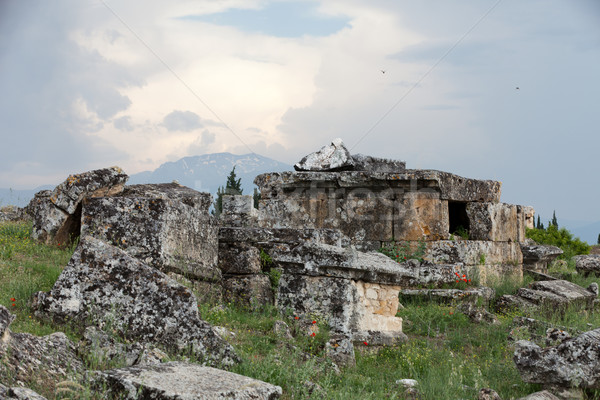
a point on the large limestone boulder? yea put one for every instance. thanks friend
(28, 358)
(57, 214)
(103, 286)
(588, 264)
(180, 380)
(573, 363)
(166, 226)
(334, 157)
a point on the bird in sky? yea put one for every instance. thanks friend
(382, 71)
(517, 88)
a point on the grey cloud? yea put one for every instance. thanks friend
(202, 144)
(123, 124)
(44, 73)
(185, 121)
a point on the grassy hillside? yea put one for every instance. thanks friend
(451, 357)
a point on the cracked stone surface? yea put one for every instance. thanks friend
(105, 287)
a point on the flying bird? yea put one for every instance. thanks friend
(382, 71)
(517, 88)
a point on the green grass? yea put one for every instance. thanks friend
(451, 357)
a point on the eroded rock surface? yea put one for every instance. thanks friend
(179, 380)
(166, 226)
(57, 214)
(573, 363)
(28, 358)
(105, 287)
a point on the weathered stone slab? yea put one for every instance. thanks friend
(549, 296)
(103, 286)
(315, 259)
(588, 264)
(493, 221)
(573, 363)
(26, 357)
(537, 256)
(56, 215)
(334, 157)
(451, 296)
(273, 237)
(166, 226)
(238, 211)
(421, 215)
(373, 164)
(179, 380)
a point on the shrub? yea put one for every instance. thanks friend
(561, 238)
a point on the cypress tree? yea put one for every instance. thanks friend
(233, 186)
(554, 221)
(599, 238)
(539, 224)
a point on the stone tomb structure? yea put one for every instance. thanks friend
(376, 202)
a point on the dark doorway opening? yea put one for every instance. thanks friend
(458, 218)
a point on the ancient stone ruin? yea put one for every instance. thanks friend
(144, 250)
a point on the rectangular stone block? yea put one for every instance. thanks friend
(421, 215)
(493, 221)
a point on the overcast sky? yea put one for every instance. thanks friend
(491, 89)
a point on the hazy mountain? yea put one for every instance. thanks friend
(19, 197)
(207, 172)
(204, 173)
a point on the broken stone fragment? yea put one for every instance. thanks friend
(537, 256)
(103, 286)
(19, 393)
(26, 357)
(488, 394)
(543, 395)
(56, 215)
(334, 157)
(588, 264)
(180, 380)
(573, 363)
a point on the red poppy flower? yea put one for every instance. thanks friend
(12, 299)
(314, 322)
(365, 343)
(14, 305)
(296, 317)
(313, 334)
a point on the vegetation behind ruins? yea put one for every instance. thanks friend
(450, 356)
